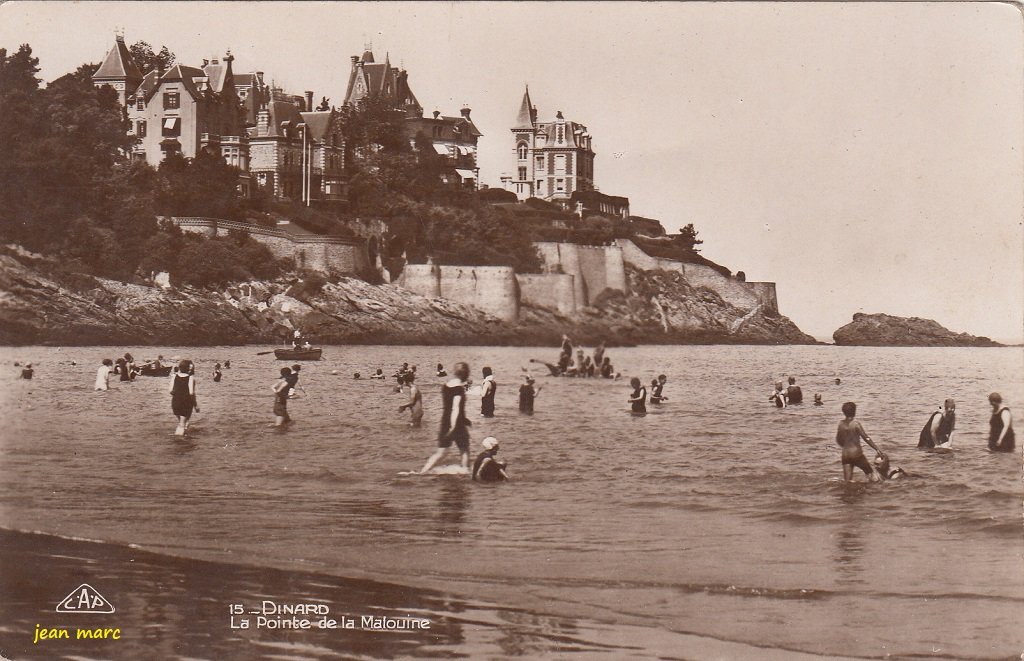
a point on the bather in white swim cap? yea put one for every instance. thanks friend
(490, 443)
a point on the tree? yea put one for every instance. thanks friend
(147, 60)
(687, 237)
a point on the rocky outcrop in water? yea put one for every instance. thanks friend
(40, 304)
(883, 330)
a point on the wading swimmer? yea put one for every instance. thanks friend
(848, 437)
(293, 380)
(794, 394)
(527, 393)
(281, 389)
(454, 425)
(27, 371)
(639, 397)
(440, 370)
(938, 431)
(658, 389)
(103, 375)
(183, 395)
(415, 404)
(817, 400)
(487, 392)
(778, 396)
(1000, 434)
(217, 374)
(486, 468)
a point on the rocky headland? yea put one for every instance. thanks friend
(42, 304)
(883, 330)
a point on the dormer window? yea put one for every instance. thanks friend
(140, 103)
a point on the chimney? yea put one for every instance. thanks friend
(437, 113)
(465, 112)
(205, 61)
(263, 122)
(309, 101)
(259, 77)
(228, 57)
(559, 115)
(355, 58)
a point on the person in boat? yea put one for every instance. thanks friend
(848, 437)
(794, 394)
(415, 405)
(183, 395)
(527, 395)
(217, 374)
(938, 431)
(580, 364)
(120, 370)
(281, 392)
(658, 389)
(487, 391)
(778, 396)
(27, 371)
(156, 364)
(487, 468)
(638, 399)
(587, 369)
(297, 339)
(440, 370)
(454, 424)
(103, 374)
(1000, 434)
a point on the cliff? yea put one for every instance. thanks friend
(40, 304)
(883, 330)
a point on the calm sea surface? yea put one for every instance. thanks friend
(715, 518)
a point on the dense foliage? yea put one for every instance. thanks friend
(70, 191)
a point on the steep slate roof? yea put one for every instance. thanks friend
(217, 73)
(148, 84)
(524, 120)
(119, 64)
(319, 123)
(183, 73)
(548, 129)
(280, 112)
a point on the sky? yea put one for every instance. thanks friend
(867, 157)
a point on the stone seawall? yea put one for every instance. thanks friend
(554, 291)
(316, 253)
(493, 289)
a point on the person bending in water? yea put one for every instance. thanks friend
(938, 431)
(415, 404)
(1000, 435)
(778, 396)
(454, 424)
(281, 390)
(486, 468)
(639, 397)
(848, 437)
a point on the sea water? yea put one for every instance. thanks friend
(715, 520)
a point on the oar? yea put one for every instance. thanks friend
(264, 353)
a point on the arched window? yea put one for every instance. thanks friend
(522, 151)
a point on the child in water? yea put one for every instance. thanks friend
(657, 388)
(486, 468)
(848, 437)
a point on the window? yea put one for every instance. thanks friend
(172, 126)
(522, 174)
(171, 100)
(140, 128)
(522, 151)
(539, 164)
(540, 185)
(560, 185)
(560, 163)
(140, 103)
